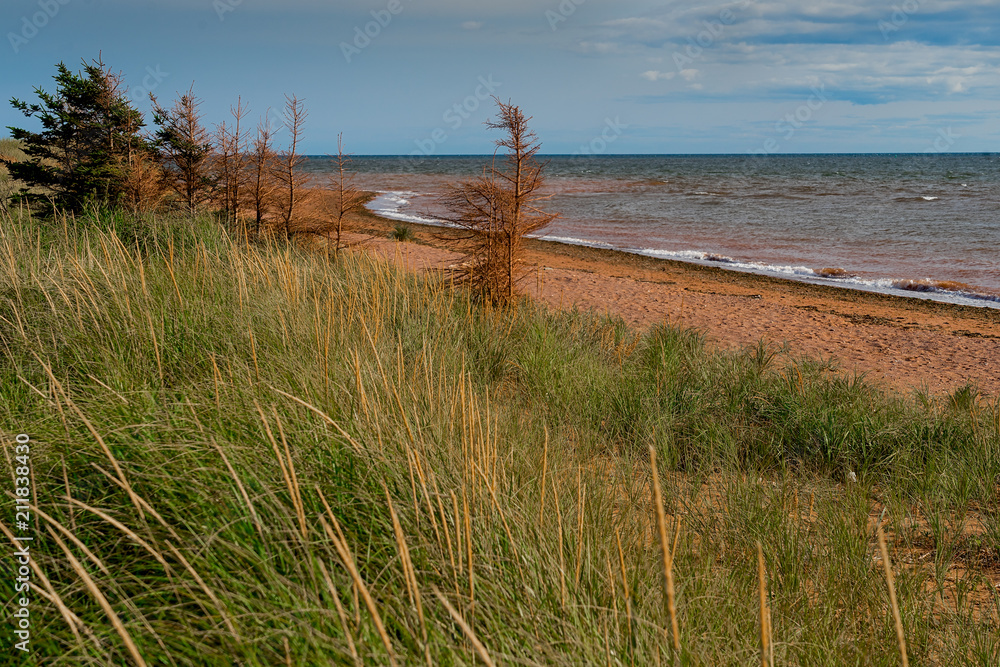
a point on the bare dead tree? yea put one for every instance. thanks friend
(183, 147)
(262, 163)
(238, 161)
(143, 187)
(500, 208)
(221, 166)
(143, 182)
(478, 207)
(228, 163)
(291, 181)
(349, 199)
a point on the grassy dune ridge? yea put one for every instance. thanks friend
(10, 150)
(253, 455)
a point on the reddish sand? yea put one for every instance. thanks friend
(906, 343)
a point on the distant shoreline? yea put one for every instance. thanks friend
(933, 301)
(944, 292)
(906, 342)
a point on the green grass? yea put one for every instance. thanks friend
(195, 404)
(401, 232)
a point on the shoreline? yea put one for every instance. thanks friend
(904, 342)
(944, 290)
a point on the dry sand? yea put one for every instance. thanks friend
(905, 343)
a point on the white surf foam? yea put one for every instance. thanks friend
(575, 241)
(714, 259)
(390, 204)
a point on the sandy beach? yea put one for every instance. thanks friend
(903, 343)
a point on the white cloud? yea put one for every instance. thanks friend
(598, 47)
(862, 73)
(686, 74)
(654, 75)
(472, 25)
(636, 23)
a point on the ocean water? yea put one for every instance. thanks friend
(923, 225)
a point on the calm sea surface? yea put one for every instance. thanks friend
(915, 224)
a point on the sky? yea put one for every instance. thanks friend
(597, 76)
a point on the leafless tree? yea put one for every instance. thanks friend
(239, 161)
(229, 163)
(262, 163)
(220, 164)
(142, 175)
(348, 198)
(183, 146)
(291, 181)
(143, 187)
(498, 209)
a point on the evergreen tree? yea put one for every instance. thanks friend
(88, 143)
(183, 146)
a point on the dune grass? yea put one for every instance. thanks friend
(253, 455)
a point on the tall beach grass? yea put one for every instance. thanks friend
(251, 454)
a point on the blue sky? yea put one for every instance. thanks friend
(626, 76)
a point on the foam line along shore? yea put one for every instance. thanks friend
(916, 225)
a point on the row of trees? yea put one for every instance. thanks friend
(92, 149)
(231, 169)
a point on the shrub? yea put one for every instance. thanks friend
(402, 232)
